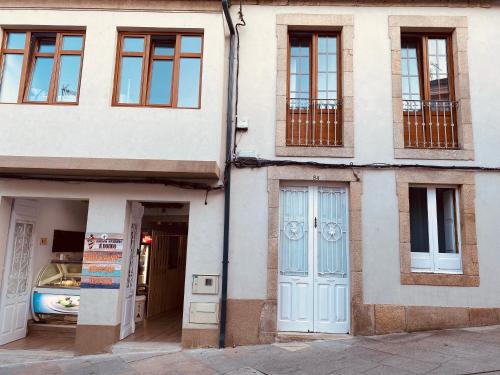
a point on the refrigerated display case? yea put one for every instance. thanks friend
(142, 279)
(57, 289)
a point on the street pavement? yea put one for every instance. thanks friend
(459, 351)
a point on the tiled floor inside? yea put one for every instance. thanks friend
(163, 328)
(44, 340)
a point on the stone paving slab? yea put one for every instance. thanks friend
(457, 352)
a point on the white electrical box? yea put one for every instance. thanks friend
(242, 123)
(247, 154)
(205, 284)
(204, 312)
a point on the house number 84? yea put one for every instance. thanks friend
(315, 178)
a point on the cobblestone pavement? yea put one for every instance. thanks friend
(459, 351)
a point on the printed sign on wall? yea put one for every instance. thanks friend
(102, 260)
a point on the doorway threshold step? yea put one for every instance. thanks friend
(309, 336)
(68, 329)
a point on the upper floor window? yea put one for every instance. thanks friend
(434, 229)
(314, 116)
(41, 67)
(159, 69)
(429, 106)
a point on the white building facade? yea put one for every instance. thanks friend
(364, 175)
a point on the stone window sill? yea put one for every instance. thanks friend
(322, 152)
(433, 154)
(439, 279)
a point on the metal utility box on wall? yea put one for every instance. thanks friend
(204, 312)
(205, 284)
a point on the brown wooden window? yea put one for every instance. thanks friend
(429, 106)
(41, 67)
(159, 70)
(314, 106)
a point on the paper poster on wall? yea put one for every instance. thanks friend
(102, 260)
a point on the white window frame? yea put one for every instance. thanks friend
(434, 261)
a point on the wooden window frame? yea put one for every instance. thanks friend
(29, 57)
(313, 60)
(422, 39)
(146, 72)
(312, 37)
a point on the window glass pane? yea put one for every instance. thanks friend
(410, 75)
(16, 40)
(11, 76)
(133, 44)
(189, 83)
(191, 44)
(47, 45)
(304, 83)
(332, 63)
(446, 214)
(419, 226)
(322, 81)
(69, 77)
(332, 82)
(130, 80)
(72, 43)
(438, 69)
(332, 44)
(294, 62)
(40, 80)
(414, 86)
(441, 47)
(161, 82)
(164, 46)
(327, 67)
(299, 70)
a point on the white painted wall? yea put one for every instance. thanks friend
(56, 214)
(248, 238)
(381, 248)
(96, 129)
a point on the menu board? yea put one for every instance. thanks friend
(102, 260)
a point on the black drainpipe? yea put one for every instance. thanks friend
(227, 174)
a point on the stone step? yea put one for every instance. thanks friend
(66, 329)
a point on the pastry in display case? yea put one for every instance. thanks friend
(57, 289)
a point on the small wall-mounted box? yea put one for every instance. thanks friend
(205, 284)
(204, 312)
(242, 124)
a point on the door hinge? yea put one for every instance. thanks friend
(315, 222)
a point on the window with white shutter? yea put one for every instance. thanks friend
(435, 229)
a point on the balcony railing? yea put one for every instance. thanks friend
(314, 122)
(430, 124)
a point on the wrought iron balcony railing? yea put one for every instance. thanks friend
(430, 124)
(314, 122)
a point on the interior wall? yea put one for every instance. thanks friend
(56, 214)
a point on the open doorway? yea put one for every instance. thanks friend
(161, 273)
(42, 261)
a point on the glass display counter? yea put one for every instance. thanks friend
(57, 289)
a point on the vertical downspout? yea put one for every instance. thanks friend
(227, 173)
